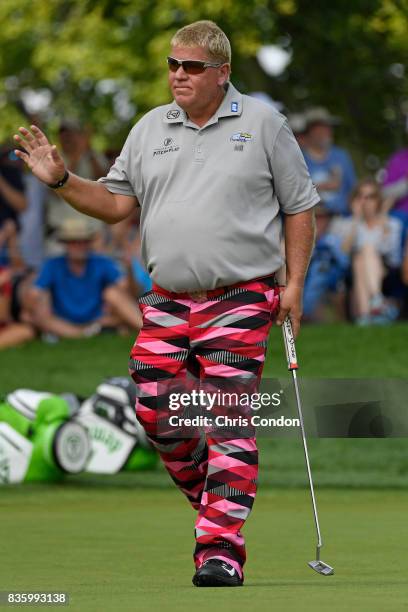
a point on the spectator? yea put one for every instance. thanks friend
(12, 203)
(373, 239)
(395, 187)
(31, 236)
(80, 158)
(80, 292)
(404, 278)
(14, 328)
(330, 167)
(297, 123)
(139, 279)
(328, 265)
(124, 245)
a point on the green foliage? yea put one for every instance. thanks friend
(342, 53)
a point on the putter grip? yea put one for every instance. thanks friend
(289, 341)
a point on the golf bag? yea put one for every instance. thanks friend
(118, 441)
(43, 437)
(39, 439)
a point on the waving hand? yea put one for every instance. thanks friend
(40, 155)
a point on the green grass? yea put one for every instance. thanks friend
(325, 351)
(125, 542)
(126, 549)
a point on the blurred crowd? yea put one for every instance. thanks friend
(65, 275)
(62, 274)
(359, 267)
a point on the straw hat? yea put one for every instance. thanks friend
(75, 229)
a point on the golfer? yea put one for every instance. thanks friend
(213, 173)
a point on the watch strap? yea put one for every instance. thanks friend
(61, 182)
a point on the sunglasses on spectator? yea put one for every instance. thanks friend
(190, 66)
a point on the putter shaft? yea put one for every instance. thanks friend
(319, 566)
(309, 471)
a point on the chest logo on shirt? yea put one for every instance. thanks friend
(241, 137)
(168, 146)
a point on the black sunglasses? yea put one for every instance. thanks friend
(190, 66)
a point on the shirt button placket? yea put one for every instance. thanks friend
(198, 149)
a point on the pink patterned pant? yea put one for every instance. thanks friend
(223, 337)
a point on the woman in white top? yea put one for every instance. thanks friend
(373, 239)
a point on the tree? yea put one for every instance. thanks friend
(104, 61)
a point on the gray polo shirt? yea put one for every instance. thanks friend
(210, 197)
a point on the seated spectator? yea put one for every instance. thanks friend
(14, 328)
(395, 184)
(373, 239)
(139, 279)
(330, 167)
(404, 279)
(12, 203)
(327, 268)
(79, 293)
(8, 242)
(395, 187)
(124, 245)
(31, 236)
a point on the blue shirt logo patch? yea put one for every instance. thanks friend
(234, 107)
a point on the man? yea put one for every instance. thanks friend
(330, 167)
(211, 171)
(79, 292)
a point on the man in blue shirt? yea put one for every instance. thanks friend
(77, 293)
(330, 167)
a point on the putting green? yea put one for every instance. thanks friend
(114, 548)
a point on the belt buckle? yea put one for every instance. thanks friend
(198, 296)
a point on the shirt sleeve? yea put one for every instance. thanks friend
(44, 279)
(291, 178)
(118, 179)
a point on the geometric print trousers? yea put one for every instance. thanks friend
(220, 336)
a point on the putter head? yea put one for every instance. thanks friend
(321, 568)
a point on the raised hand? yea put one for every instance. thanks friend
(40, 155)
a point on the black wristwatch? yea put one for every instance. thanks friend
(62, 182)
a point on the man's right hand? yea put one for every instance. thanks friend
(40, 156)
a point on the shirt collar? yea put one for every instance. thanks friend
(174, 114)
(231, 106)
